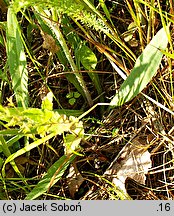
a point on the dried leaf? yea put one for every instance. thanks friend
(3, 6)
(75, 180)
(49, 43)
(133, 162)
(20, 162)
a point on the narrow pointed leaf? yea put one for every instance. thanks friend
(145, 68)
(50, 178)
(17, 59)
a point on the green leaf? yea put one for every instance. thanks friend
(1, 162)
(106, 11)
(47, 102)
(17, 59)
(53, 175)
(70, 95)
(28, 148)
(3, 75)
(145, 68)
(71, 143)
(72, 101)
(7, 153)
(76, 95)
(89, 61)
(87, 58)
(1, 40)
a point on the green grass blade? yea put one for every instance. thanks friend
(143, 71)
(60, 54)
(10, 142)
(106, 11)
(26, 149)
(7, 153)
(61, 40)
(17, 59)
(56, 170)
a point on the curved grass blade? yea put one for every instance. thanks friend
(14, 139)
(7, 153)
(53, 175)
(17, 59)
(61, 40)
(25, 150)
(145, 68)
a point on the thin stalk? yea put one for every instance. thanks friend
(55, 28)
(150, 30)
(7, 153)
(138, 22)
(64, 46)
(112, 34)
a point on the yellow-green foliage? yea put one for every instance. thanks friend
(45, 122)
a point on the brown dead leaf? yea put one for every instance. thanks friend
(133, 162)
(20, 162)
(3, 6)
(49, 42)
(74, 179)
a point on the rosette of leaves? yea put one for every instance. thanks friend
(72, 97)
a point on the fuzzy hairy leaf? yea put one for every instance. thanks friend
(143, 71)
